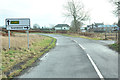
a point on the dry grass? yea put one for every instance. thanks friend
(20, 40)
(0, 55)
(96, 36)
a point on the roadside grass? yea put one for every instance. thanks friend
(18, 58)
(114, 46)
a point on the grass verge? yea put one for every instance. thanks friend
(16, 60)
(114, 47)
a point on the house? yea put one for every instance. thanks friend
(97, 24)
(83, 29)
(107, 28)
(62, 27)
(100, 27)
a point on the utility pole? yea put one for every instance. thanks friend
(119, 26)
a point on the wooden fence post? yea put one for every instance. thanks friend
(116, 36)
(105, 36)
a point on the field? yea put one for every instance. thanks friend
(19, 57)
(19, 40)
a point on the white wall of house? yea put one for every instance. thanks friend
(57, 28)
(63, 28)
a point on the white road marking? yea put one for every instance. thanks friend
(57, 43)
(30, 70)
(95, 67)
(43, 58)
(81, 46)
(75, 41)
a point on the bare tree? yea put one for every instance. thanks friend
(75, 29)
(75, 10)
(116, 4)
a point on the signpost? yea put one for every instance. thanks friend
(18, 24)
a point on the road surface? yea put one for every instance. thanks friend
(76, 58)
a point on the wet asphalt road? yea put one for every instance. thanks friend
(69, 60)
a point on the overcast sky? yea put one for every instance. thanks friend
(49, 12)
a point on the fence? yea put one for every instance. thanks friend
(104, 36)
(112, 36)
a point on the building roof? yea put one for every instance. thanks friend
(99, 23)
(107, 26)
(62, 25)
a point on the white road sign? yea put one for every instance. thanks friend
(17, 23)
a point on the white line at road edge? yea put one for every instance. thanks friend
(43, 58)
(97, 70)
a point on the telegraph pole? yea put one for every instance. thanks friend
(119, 26)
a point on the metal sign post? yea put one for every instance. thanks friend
(9, 37)
(18, 24)
(28, 38)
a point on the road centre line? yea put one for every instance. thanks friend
(95, 67)
(92, 62)
(75, 41)
(79, 44)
